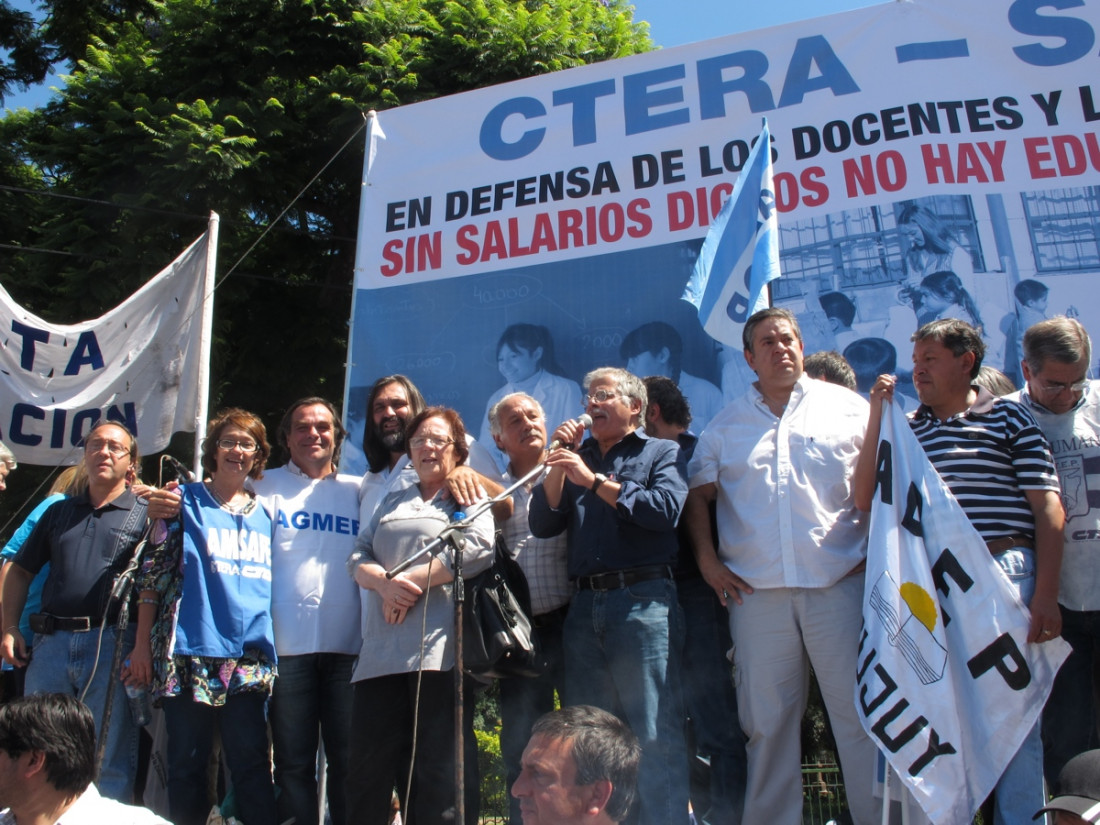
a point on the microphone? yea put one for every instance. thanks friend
(584, 419)
(181, 471)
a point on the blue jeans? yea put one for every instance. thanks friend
(1071, 718)
(312, 692)
(523, 701)
(623, 654)
(243, 725)
(711, 703)
(1020, 791)
(62, 663)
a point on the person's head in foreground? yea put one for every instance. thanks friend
(47, 749)
(1078, 789)
(580, 766)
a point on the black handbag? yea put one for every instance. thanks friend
(499, 638)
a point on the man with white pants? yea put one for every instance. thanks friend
(778, 463)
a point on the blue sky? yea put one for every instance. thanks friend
(675, 22)
(672, 23)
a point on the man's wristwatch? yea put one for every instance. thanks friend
(600, 479)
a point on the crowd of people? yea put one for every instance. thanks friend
(683, 585)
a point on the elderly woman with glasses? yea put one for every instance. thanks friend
(404, 680)
(204, 626)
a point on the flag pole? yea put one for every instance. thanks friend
(205, 337)
(374, 136)
(885, 790)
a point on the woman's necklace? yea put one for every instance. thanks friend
(228, 505)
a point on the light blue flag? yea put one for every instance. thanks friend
(740, 254)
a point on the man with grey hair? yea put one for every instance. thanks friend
(617, 496)
(789, 562)
(580, 768)
(7, 464)
(1066, 404)
(517, 424)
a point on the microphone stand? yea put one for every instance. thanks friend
(453, 536)
(436, 545)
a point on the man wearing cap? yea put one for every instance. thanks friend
(1078, 799)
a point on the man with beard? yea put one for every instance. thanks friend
(518, 425)
(393, 401)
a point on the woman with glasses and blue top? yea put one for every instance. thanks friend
(204, 629)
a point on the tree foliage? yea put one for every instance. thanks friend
(25, 56)
(174, 108)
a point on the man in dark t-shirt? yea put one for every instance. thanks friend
(87, 539)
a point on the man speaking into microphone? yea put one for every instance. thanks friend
(618, 497)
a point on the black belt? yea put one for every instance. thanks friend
(47, 624)
(617, 579)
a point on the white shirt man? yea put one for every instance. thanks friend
(778, 463)
(315, 608)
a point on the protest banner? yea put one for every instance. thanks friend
(143, 363)
(931, 158)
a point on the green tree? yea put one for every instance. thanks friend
(173, 108)
(25, 58)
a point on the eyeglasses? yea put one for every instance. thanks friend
(430, 440)
(1055, 389)
(234, 444)
(600, 396)
(113, 447)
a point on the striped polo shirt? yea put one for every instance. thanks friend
(988, 456)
